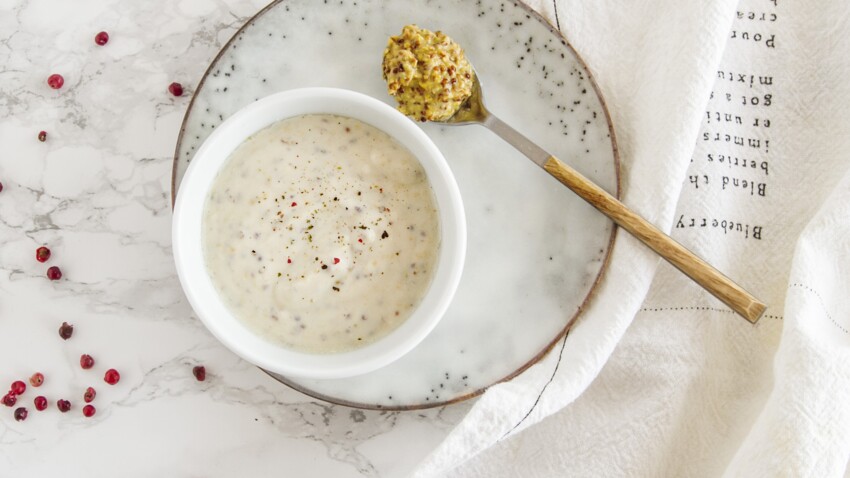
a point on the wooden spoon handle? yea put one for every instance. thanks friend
(686, 261)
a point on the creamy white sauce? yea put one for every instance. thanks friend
(321, 233)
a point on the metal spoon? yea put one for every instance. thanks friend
(473, 111)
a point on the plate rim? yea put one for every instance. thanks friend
(560, 337)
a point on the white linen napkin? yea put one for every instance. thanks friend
(733, 126)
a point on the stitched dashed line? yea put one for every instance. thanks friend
(537, 400)
(822, 304)
(657, 309)
(699, 307)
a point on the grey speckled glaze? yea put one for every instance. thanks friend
(535, 250)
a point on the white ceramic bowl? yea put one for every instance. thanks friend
(188, 250)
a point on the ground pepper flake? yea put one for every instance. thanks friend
(336, 260)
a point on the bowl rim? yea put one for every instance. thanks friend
(188, 251)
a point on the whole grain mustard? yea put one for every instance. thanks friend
(427, 73)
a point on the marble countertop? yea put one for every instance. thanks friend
(97, 193)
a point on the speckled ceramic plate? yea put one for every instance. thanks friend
(535, 251)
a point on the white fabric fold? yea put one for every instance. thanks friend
(656, 109)
(658, 378)
(803, 429)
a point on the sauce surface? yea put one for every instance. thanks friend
(321, 233)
